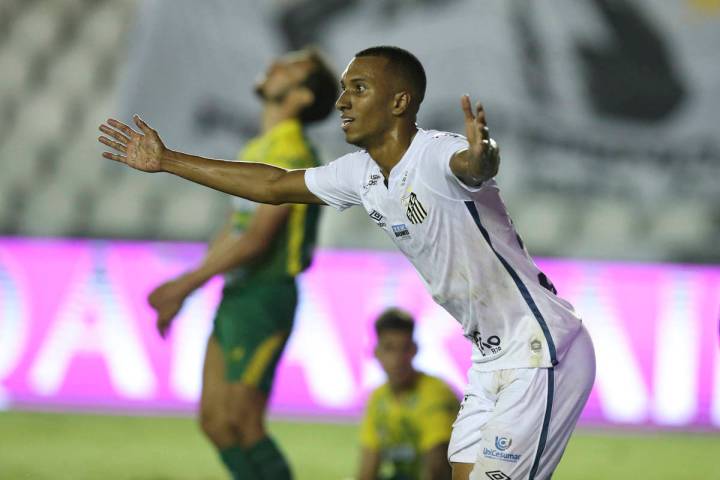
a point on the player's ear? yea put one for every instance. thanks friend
(414, 348)
(303, 97)
(401, 103)
(376, 351)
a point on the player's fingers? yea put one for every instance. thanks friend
(142, 125)
(480, 115)
(481, 121)
(161, 328)
(121, 126)
(114, 133)
(117, 158)
(116, 145)
(467, 109)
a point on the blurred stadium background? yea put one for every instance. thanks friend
(606, 111)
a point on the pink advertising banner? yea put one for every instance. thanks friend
(76, 332)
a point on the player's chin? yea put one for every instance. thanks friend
(353, 138)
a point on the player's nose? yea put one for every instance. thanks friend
(343, 102)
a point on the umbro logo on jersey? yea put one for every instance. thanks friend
(416, 213)
(378, 217)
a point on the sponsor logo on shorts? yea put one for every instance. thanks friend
(497, 475)
(401, 231)
(501, 455)
(502, 442)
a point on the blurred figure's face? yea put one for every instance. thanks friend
(366, 101)
(283, 75)
(395, 351)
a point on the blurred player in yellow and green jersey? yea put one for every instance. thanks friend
(260, 251)
(406, 429)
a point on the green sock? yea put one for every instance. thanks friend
(236, 460)
(268, 461)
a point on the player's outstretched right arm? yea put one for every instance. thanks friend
(145, 151)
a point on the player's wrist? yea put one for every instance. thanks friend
(168, 159)
(195, 279)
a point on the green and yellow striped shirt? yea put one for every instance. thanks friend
(284, 146)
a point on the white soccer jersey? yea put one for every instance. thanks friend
(463, 243)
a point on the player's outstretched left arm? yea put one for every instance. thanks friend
(481, 161)
(145, 151)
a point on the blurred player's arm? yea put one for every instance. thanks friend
(435, 464)
(228, 251)
(369, 464)
(233, 250)
(258, 182)
(481, 160)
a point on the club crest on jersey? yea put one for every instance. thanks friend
(401, 231)
(415, 212)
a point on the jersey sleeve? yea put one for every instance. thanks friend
(439, 412)
(369, 437)
(337, 183)
(436, 167)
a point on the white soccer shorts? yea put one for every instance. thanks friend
(514, 424)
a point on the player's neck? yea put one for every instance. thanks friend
(406, 386)
(389, 150)
(274, 115)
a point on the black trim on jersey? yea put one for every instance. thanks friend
(518, 282)
(546, 422)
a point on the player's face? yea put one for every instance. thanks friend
(395, 351)
(283, 75)
(365, 101)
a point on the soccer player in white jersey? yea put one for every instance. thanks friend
(433, 193)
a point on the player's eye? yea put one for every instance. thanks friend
(360, 88)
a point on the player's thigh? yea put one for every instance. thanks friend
(499, 424)
(514, 422)
(215, 387)
(247, 405)
(573, 380)
(461, 471)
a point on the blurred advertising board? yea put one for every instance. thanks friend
(76, 332)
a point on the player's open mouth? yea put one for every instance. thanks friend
(345, 122)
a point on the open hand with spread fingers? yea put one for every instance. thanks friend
(483, 151)
(141, 150)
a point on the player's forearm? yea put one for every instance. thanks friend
(243, 179)
(229, 253)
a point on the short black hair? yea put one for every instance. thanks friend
(394, 319)
(407, 64)
(322, 81)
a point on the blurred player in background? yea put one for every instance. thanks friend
(405, 432)
(260, 251)
(433, 194)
